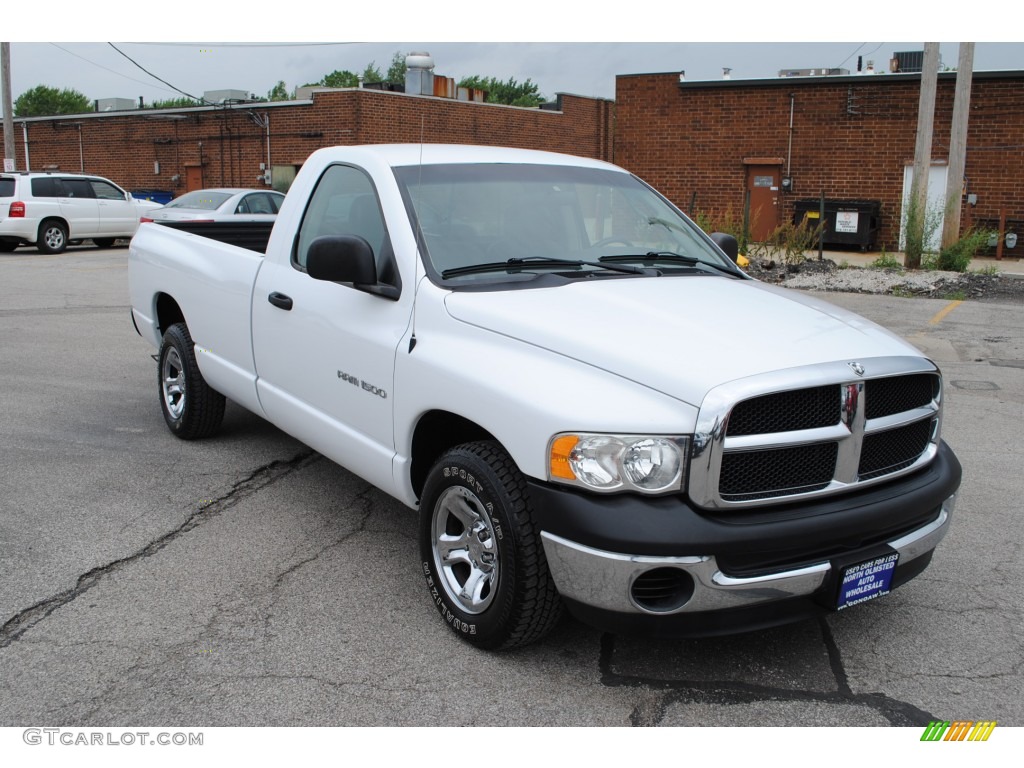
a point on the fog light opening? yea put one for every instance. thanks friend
(661, 590)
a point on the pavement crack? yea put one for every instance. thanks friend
(835, 659)
(258, 479)
(651, 710)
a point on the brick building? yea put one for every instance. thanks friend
(705, 145)
(181, 149)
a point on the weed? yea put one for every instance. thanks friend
(957, 257)
(729, 222)
(886, 261)
(989, 269)
(920, 229)
(844, 264)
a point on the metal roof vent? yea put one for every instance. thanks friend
(419, 74)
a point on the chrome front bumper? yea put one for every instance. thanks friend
(604, 580)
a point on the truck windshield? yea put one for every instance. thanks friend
(487, 214)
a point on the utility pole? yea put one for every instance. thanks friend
(958, 145)
(918, 208)
(5, 76)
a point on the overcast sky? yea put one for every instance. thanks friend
(293, 48)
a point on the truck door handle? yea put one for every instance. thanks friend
(280, 300)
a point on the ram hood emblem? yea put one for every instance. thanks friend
(857, 368)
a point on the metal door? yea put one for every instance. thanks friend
(193, 178)
(763, 191)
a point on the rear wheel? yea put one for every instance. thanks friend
(482, 555)
(191, 408)
(53, 237)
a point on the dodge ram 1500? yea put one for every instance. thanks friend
(589, 404)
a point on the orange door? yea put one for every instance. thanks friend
(763, 189)
(193, 178)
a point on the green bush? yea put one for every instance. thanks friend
(792, 241)
(957, 257)
(729, 222)
(886, 261)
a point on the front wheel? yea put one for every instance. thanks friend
(482, 555)
(191, 408)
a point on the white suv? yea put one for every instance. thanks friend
(51, 209)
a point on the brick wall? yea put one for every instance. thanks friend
(229, 144)
(852, 138)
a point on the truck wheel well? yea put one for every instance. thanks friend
(436, 432)
(167, 312)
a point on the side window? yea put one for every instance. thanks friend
(345, 203)
(260, 203)
(106, 191)
(76, 188)
(275, 202)
(44, 187)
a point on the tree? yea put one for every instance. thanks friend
(340, 79)
(180, 101)
(396, 72)
(372, 74)
(510, 92)
(279, 92)
(44, 100)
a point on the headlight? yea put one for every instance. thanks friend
(608, 463)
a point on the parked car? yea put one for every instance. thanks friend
(547, 362)
(52, 209)
(226, 204)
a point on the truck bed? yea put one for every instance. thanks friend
(251, 235)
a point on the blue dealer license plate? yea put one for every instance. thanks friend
(865, 581)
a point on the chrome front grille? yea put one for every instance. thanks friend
(894, 449)
(814, 431)
(750, 475)
(786, 411)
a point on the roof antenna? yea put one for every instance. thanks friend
(419, 240)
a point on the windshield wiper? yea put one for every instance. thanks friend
(536, 262)
(667, 257)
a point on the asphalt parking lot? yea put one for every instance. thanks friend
(246, 581)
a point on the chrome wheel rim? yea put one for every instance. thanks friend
(172, 379)
(465, 549)
(54, 237)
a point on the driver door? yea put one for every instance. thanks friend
(325, 352)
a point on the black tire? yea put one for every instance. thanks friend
(104, 242)
(191, 408)
(475, 495)
(53, 237)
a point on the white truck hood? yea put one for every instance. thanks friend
(679, 335)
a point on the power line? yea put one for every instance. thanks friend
(246, 45)
(108, 69)
(169, 85)
(857, 49)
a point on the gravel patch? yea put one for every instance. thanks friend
(825, 275)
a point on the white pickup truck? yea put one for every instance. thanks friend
(587, 402)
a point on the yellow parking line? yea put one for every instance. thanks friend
(944, 311)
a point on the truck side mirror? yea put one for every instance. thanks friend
(728, 244)
(341, 259)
